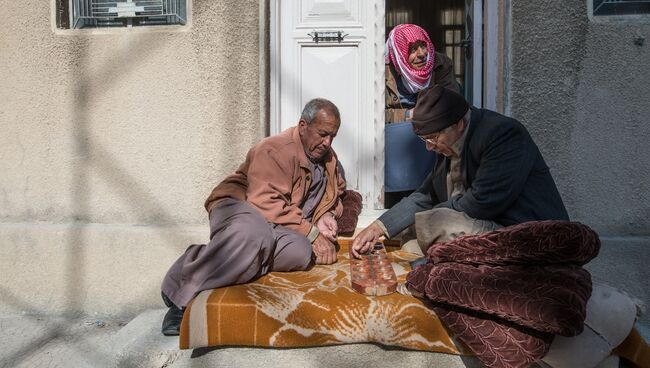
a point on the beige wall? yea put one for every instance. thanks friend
(582, 88)
(109, 144)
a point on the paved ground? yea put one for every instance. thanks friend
(28, 341)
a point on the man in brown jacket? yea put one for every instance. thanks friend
(277, 212)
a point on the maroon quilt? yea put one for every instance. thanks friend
(352, 205)
(506, 293)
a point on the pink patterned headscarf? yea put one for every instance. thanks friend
(397, 52)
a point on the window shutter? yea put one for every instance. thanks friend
(126, 13)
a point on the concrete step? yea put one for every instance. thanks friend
(140, 344)
(354, 355)
(29, 341)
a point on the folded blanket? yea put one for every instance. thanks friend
(352, 206)
(545, 298)
(536, 242)
(496, 342)
(507, 292)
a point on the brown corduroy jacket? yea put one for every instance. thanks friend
(443, 74)
(275, 178)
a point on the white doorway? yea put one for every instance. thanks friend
(335, 49)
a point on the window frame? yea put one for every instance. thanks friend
(62, 21)
(637, 18)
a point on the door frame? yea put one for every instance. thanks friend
(477, 53)
(495, 19)
(274, 66)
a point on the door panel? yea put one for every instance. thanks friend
(344, 71)
(330, 72)
(320, 13)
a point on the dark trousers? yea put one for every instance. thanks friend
(243, 246)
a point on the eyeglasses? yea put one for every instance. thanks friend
(432, 139)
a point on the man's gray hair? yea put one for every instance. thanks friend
(317, 104)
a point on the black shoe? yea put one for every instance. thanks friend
(171, 324)
(166, 300)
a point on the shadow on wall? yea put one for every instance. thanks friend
(93, 157)
(90, 155)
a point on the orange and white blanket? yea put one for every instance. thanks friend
(313, 308)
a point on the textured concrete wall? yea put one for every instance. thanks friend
(583, 89)
(107, 139)
(130, 127)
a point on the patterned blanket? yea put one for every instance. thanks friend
(313, 308)
(352, 205)
(508, 292)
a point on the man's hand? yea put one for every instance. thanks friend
(366, 239)
(328, 227)
(324, 250)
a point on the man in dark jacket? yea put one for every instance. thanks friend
(489, 173)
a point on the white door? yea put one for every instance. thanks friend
(334, 49)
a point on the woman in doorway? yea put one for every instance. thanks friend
(411, 66)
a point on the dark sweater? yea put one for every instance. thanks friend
(505, 175)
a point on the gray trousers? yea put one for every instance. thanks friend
(443, 224)
(243, 246)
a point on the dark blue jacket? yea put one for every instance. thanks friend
(505, 175)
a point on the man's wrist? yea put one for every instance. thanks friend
(313, 233)
(381, 226)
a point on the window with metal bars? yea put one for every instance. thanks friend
(620, 7)
(78, 14)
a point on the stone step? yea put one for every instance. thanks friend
(140, 344)
(40, 341)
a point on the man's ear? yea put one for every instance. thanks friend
(302, 126)
(461, 125)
